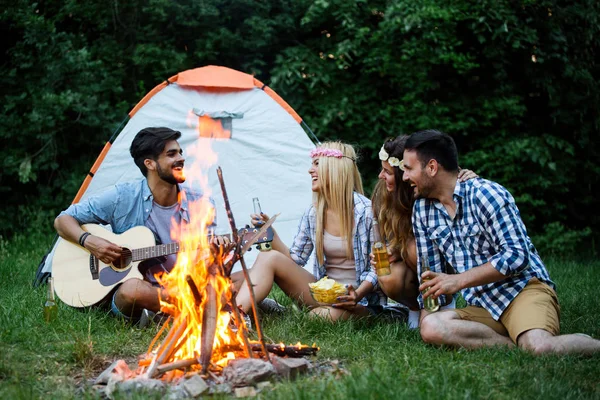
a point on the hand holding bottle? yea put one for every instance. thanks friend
(379, 251)
(431, 304)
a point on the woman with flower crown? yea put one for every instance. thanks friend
(337, 225)
(392, 204)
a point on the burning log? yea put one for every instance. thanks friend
(290, 351)
(280, 349)
(194, 289)
(166, 349)
(209, 322)
(181, 364)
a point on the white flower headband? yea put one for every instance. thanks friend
(394, 162)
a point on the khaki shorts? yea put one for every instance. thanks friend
(536, 307)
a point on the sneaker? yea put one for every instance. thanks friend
(244, 316)
(145, 318)
(149, 317)
(270, 306)
(395, 312)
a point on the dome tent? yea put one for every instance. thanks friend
(261, 143)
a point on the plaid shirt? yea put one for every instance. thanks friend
(487, 228)
(305, 239)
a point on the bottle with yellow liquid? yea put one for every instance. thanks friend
(380, 252)
(50, 307)
(431, 304)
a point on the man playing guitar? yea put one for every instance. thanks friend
(153, 202)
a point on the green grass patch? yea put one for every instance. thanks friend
(385, 360)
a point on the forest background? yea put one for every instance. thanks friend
(514, 82)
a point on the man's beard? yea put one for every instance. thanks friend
(168, 176)
(425, 188)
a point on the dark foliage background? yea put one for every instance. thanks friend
(514, 82)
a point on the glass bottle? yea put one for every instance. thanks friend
(50, 307)
(430, 303)
(380, 251)
(256, 203)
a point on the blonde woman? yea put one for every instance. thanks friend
(338, 227)
(392, 204)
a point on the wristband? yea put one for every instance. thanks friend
(83, 237)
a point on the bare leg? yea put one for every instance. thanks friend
(339, 313)
(401, 285)
(540, 341)
(447, 328)
(134, 295)
(273, 267)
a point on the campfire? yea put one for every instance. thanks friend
(204, 331)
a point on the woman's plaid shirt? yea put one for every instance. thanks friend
(305, 239)
(487, 227)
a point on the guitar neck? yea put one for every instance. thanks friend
(160, 250)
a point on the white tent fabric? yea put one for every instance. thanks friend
(267, 155)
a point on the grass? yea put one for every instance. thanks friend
(385, 360)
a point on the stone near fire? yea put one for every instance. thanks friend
(176, 393)
(246, 391)
(119, 367)
(195, 385)
(247, 371)
(290, 367)
(137, 384)
(221, 388)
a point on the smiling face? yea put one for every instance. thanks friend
(387, 175)
(314, 175)
(416, 175)
(169, 165)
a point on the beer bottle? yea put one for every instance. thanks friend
(50, 307)
(430, 303)
(380, 251)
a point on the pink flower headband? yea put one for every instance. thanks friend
(321, 152)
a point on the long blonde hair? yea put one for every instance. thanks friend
(394, 210)
(339, 179)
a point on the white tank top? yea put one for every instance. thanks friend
(337, 265)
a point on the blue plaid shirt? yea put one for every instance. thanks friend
(305, 239)
(487, 227)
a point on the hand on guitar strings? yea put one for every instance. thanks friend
(102, 249)
(222, 246)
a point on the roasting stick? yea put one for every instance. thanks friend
(246, 274)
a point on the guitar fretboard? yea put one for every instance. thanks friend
(145, 253)
(160, 250)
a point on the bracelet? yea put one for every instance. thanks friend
(83, 237)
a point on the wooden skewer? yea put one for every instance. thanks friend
(240, 325)
(160, 332)
(246, 274)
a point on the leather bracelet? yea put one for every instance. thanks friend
(83, 237)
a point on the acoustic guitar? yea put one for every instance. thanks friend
(82, 280)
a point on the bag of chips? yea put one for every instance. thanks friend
(327, 290)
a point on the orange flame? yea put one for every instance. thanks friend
(196, 262)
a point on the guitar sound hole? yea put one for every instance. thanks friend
(124, 260)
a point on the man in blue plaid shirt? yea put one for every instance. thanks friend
(475, 228)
